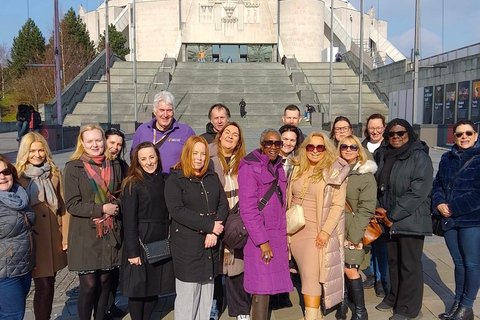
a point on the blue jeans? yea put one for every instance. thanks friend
(22, 127)
(378, 259)
(13, 293)
(463, 246)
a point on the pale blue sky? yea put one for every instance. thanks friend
(461, 20)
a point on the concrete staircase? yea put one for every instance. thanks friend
(265, 87)
(93, 108)
(344, 92)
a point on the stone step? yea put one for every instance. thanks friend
(323, 88)
(118, 87)
(230, 66)
(229, 73)
(266, 109)
(234, 98)
(231, 88)
(129, 72)
(118, 97)
(250, 121)
(231, 80)
(86, 108)
(326, 73)
(322, 65)
(344, 97)
(129, 79)
(140, 64)
(336, 80)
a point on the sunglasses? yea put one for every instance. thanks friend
(392, 134)
(6, 172)
(341, 129)
(311, 147)
(345, 147)
(460, 134)
(271, 143)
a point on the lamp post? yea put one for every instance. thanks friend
(330, 85)
(416, 56)
(107, 68)
(360, 71)
(56, 41)
(134, 53)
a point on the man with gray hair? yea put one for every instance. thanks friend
(164, 131)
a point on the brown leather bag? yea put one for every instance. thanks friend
(373, 230)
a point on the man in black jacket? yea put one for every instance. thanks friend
(218, 115)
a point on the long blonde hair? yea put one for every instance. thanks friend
(362, 155)
(79, 151)
(24, 150)
(302, 164)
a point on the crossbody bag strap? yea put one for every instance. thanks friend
(459, 171)
(162, 140)
(264, 200)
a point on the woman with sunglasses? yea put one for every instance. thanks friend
(318, 185)
(92, 182)
(17, 256)
(262, 183)
(360, 207)
(404, 180)
(226, 153)
(43, 183)
(456, 197)
(340, 129)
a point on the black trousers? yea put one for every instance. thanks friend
(406, 274)
(238, 301)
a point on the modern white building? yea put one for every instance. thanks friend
(245, 30)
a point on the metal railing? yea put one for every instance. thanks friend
(451, 55)
(143, 106)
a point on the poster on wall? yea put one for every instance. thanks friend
(475, 114)
(463, 100)
(438, 105)
(450, 91)
(427, 104)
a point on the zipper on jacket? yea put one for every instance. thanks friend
(206, 195)
(5, 252)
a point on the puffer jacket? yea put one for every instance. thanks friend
(408, 197)
(17, 249)
(463, 197)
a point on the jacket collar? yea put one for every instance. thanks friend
(258, 157)
(151, 124)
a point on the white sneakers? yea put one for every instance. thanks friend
(243, 317)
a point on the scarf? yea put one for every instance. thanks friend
(101, 181)
(231, 190)
(40, 188)
(16, 198)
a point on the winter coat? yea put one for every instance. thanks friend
(37, 120)
(408, 197)
(210, 133)
(17, 251)
(145, 216)
(87, 252)
(331, 219)
(463, 197)
(362, 198)
(51, 231)
(268, 225)
(194, 204)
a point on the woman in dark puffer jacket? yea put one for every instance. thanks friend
(456, 196)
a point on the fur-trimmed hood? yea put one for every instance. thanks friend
(368, 167)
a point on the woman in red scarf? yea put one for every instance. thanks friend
(92, 181)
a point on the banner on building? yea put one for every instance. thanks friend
(438, 105)
(427, 104)
(463, 100)
(450, 99)
(475, 114)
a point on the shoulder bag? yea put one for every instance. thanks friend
(295, 214)
(158, 250)
(373, 231)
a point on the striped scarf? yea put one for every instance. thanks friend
(100, 174)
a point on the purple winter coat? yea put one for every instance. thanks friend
(269, 225)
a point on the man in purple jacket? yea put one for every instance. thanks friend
(164, 131)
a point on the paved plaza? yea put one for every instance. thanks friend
(437, 264)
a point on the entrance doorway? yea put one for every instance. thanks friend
(237, 52)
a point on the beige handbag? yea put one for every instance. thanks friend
(295, 215)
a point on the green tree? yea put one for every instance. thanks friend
(117, 42)
(28, 47)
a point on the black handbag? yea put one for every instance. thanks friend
(157, 251)
(235, 234)
(437, 225)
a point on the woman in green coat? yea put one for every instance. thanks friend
(359, 208)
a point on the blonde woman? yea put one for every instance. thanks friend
(43, 182)
(318, 184)
(361, 200)
(92, 181)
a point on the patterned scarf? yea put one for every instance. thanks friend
(231, 190)
(40, 188)
(100, 174)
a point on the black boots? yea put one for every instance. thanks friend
(260, 306)
(358, 297)
(462, 313)
(342, 308)
(449, 313)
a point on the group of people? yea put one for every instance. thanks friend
(198, 191)
(28, 120)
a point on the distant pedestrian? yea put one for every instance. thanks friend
(243, 106)
(35, 120)
(23, 119)
(229, 60)
(338, 57)
(283, 59)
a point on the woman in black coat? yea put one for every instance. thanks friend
(198, 205)
(145, 218)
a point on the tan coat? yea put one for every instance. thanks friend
(51, 232)
(331, 219)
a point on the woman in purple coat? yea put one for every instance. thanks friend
(262, 185)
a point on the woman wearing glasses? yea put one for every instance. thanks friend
(42, 180)
(404, 180)
(318, 185)
(262, 183)
(361, 200)
(340, 129)
(17, 256)
(456, 197)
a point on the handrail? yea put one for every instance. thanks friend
(451, 55)
(153, 85)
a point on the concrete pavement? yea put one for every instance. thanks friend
(437, 264)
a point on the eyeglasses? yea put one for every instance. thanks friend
(311, 147)
(392, 134)
(460, 134)
(6, 172)
(376, 129)
(345, 147)
(341, 129)
(271, 143)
